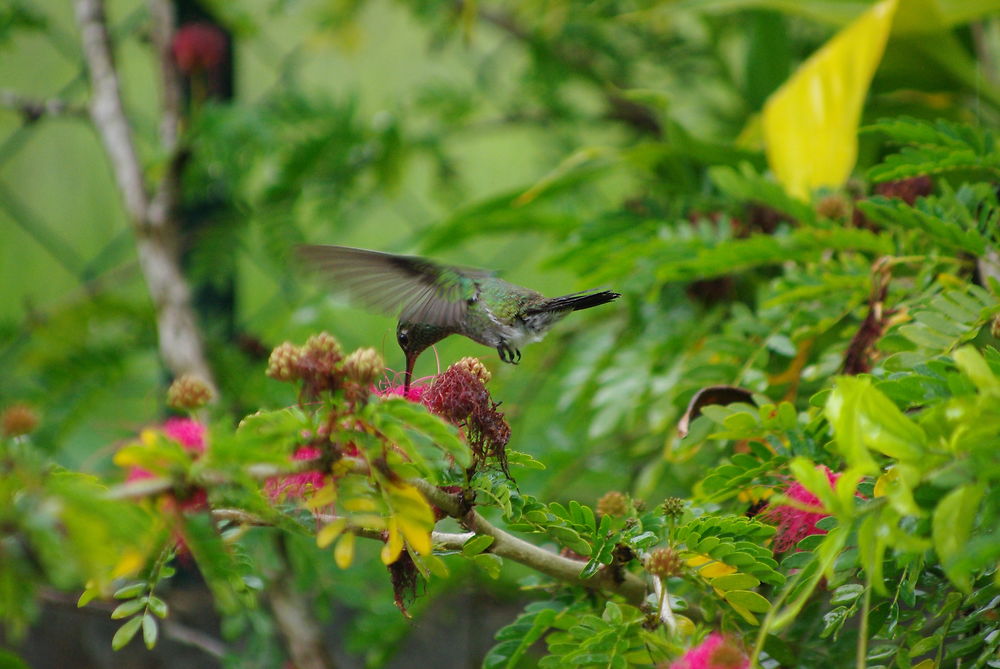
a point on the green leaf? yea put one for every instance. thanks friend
(150, 630)
(735, 582)
(952, 524)
(570, 538)
(974, 366)
(864, 418)
(846, 594)
(490, 563)
(158, 606)
(749, 600)
(477, 544)
(130, 591)
(441, 433)
(125, 609)
(125, 633)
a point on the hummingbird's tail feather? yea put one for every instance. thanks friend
(575, 301)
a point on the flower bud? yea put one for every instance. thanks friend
(283, 363)
(613, 503)
(324, 342)
(664, 562)
(198, 46)
(673, 507)
(475, 367)
(364, 366)
(18, 420)
(189, 392)
(834, 206)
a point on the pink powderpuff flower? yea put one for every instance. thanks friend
(414, 394)
(794, 522)
(715, 652)
(188, 432)
(297, 485)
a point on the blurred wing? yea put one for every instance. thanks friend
(417, 290)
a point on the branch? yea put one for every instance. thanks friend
(107, 110)
(164, 203)
(153, 219)
(32, 109)
(506, 545)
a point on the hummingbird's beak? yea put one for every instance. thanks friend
(410, 360)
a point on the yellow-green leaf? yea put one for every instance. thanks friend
(325, 496)
(735, 582)
(125, 633)
(811, 122)
(329, 532)
(749, 600)
(343, 554)
(394, 545)
(953, 520)
(974, 366)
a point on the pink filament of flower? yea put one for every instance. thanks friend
(715, 652)
(794, 522)
(296, 485)
(188, 432)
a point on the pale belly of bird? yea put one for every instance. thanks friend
(485, 328)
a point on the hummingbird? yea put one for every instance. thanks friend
(434, 301)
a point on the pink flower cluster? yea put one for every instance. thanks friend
(190, 434)
(715, 652)
(297, 485)
(794, 523)
(187, 432)
(414, 394)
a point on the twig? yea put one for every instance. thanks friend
(33, 109)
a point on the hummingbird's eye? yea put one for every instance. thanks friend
(403, 339)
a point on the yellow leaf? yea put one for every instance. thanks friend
(130, 456)
(709, 568)
(885, 481)
(417, 534)
(413, 514)
(131, 562)
(394, 546)
(343, 554)
(329, 532)
(371, 521)
(928, 663)
(325, 496)
(359, 504)
(811, 122)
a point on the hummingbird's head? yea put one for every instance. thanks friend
(414, 338)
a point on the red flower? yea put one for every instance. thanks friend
(715, 652)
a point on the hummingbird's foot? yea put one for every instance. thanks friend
(508, 354)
